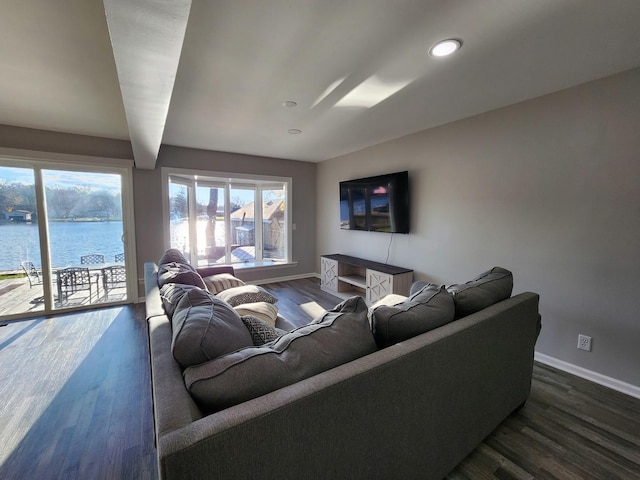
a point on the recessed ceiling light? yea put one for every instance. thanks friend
(294, 131)
(290, 104)
(445, 47)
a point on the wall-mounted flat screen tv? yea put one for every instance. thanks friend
(376, 204)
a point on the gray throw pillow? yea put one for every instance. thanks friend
(430, 307)
(336, 337)
(171, 293)
(486, 289)
(205, 328)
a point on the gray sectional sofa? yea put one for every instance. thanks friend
(412, 408)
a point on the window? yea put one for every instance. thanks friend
(239, 219)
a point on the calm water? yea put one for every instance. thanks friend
(69, 241)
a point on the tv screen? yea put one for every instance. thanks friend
(376, 204)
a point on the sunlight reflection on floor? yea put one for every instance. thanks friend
(312, 309)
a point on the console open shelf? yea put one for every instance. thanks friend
(345, 276)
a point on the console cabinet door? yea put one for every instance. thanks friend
(379, 285)
(329, 274)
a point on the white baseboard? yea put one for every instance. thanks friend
(283, 279)
(590, 375)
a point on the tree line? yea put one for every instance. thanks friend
(62, 203)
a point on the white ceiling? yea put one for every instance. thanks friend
(214, 74)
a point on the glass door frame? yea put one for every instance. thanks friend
(39, 161)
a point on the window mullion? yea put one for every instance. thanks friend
(43, 231)
(258, 223)
(193, 225)
(227, 223)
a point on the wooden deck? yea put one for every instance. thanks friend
(16, 296)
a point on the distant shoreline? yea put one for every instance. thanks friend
(61, 220)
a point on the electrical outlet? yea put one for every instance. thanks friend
(584, 342)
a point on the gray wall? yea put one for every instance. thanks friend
(548, 188)
(148, 203)
(57, 142)
(147, 189)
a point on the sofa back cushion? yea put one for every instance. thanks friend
(428, 308)
(171, 294)
(336, 337)
(205, 328)
(174, 272)
(486, 289)
(172, 255)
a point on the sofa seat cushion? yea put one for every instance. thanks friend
(486, 289)
(221, 281)
(430, 307)
(204, 328)
(235, 296)
(336, 337)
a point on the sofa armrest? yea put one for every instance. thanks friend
(153, 302)
(215, 270)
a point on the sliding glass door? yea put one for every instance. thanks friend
(21, 275)
(66, 234)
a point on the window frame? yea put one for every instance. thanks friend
(229, 181)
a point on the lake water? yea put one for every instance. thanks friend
(69, 241)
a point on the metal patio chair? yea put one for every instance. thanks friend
(72, 280)
(33, 274)
(113, 277)
(92, 259)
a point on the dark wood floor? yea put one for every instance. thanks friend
(75, 403)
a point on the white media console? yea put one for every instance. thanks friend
(345, 276)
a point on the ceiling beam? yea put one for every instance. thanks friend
(146, 37)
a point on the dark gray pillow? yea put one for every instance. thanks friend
(486, 289)
(261, 332)
(171, 293)
(205, 328)
(184, 273)
(430, 307)
(336, 337)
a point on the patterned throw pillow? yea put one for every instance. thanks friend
(267, 312)
(221, 281)
(261, 332)
(246, 294)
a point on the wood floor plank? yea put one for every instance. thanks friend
(75, 402)
(75, 396)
